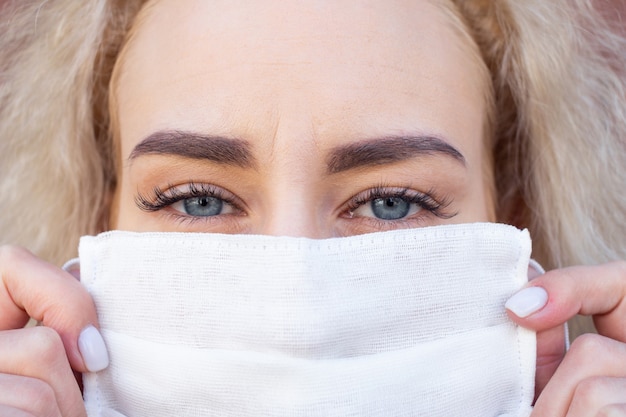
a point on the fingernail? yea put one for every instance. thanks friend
(93, 350)
(527, 301)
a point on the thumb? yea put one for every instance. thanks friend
(555, 297)
(30, 287)
(551, 341)
(558, 295)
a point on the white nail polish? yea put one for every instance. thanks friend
(93, 350)
(527, 301)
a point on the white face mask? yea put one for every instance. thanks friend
(402, 323)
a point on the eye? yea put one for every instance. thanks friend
(191, 200)
(387, 208)
(391, 204)
(203, 206)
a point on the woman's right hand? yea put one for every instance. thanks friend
(37, 363)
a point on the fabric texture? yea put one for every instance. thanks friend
(401, 323)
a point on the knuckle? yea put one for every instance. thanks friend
(41, 396)
(612, 410)
(30, 396)
(48, 344)
(588, 346)
(589, 390)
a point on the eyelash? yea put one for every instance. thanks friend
(163, 199)
(435, 205)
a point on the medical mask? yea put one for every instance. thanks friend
(400, 323)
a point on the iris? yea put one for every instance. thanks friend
(203, 206)
(390, 208)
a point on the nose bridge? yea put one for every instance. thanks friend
(295, 226)
(293, 208)
(293, 193)
(294, 202)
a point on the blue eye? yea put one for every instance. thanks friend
(202, 206)
(192, 200)
(387, 208)
(390, 208)
(392, 204)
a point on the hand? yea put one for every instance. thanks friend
(590, 380)
(37, 363)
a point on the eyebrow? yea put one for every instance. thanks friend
(387, 150)
(196, 146)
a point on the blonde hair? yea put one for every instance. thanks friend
(559, 125)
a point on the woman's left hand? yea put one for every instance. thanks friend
(590, 379)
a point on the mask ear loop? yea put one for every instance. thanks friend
(537, 267)
(73, 267)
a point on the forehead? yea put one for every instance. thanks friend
(346, 67)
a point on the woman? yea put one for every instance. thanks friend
(314, 120)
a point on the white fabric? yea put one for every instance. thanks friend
(402, 323)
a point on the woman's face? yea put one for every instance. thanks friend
(307, 118)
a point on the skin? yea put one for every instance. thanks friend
(284, 87)
(314, 86)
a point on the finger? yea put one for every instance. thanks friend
(30, 395)
(595, 394)
(550, 353)
(557, 296)
(613, 410)
(39, 362)
(590, 356)
(8, 411)
(30, 287)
